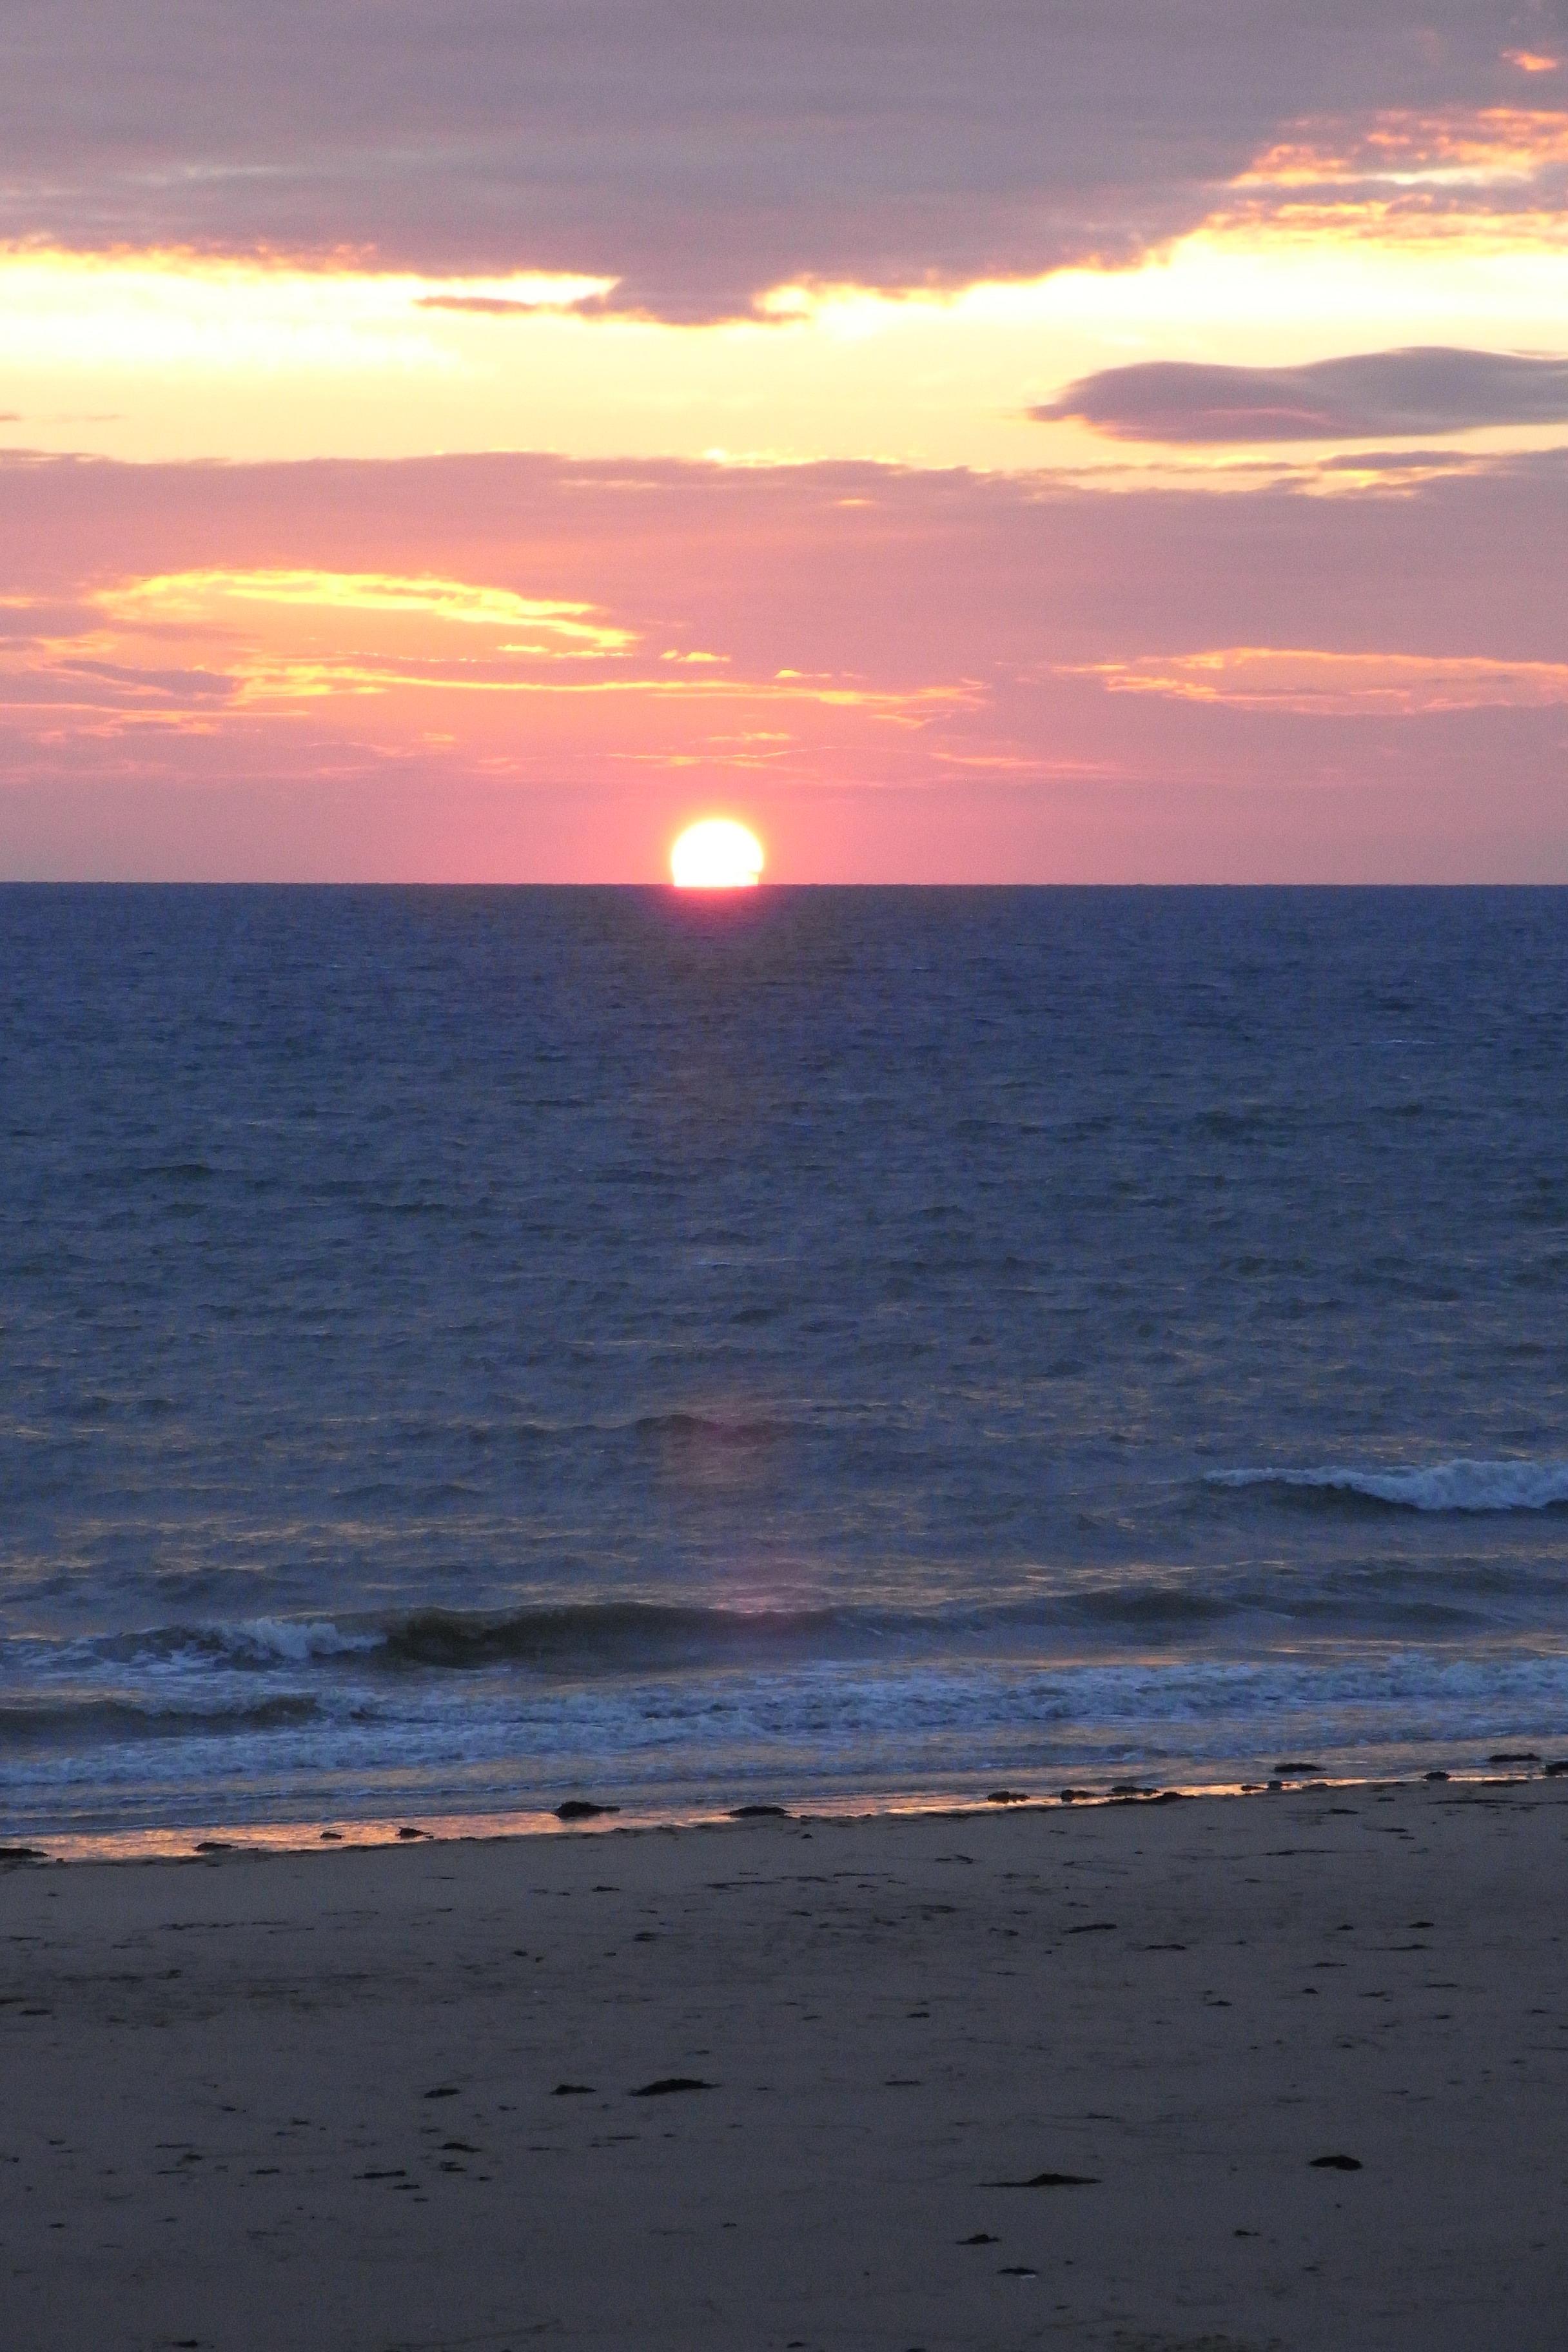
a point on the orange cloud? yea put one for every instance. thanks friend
(383, 662)
(1492, 178)
(1475, 148)
(553, 629)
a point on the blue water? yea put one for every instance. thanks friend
(463, 1348)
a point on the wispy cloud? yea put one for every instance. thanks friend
(553, 627)
(1313, 684)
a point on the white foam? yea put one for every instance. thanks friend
(297, 1639)
(1460, 1486)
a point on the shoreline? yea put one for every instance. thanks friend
(208, 1841)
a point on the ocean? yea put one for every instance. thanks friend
(465, 1350)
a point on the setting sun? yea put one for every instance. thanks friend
(716, 854)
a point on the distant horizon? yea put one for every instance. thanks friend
(763, 891)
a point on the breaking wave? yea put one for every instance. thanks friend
(1459, 1485)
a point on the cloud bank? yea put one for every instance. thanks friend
(700, 155)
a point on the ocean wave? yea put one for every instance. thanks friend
(617, 1637)
(1065, 1618)
(248, 1642)
(66, 1721)
(606, 1633)
(1459, 1485)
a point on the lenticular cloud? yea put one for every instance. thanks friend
(1392, 395)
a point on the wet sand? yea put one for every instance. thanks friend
(300, 2103)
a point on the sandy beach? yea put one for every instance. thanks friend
(1055, 2076)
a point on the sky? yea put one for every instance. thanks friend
(995, 441)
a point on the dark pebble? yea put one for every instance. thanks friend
(572, 2091)
(1336, 2164)
(669, 2082)
(1006, 1797)
(413, 1833)
(581, 1808)
(22, 1853)
(759, 1813)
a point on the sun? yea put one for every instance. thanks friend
(716, 854)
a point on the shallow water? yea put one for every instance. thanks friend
(462, 1348)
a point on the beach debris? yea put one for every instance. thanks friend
(331, 1837)
(1434, 1775)
(1297, 1772)
(1171, 1797)
(413, 1833)
(666, 2083)
(1071, 1796)
(761, 1813)
(1007, 1797)
(1048, 2180)
(1514, 1756)
(581, 1808)
(1336, 2164)
(572, 2091)
(22, 1853)
(214, 1845)
(1131, 1789)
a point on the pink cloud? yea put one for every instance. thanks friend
(528, 667)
